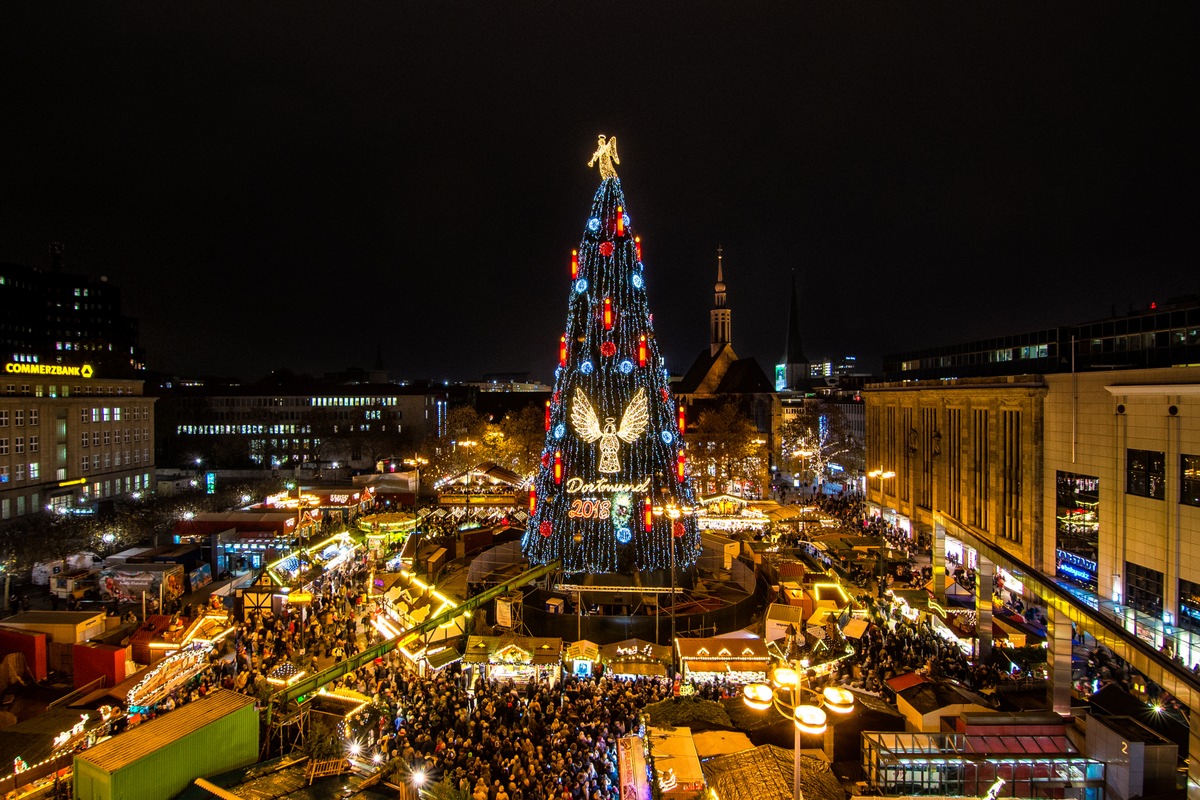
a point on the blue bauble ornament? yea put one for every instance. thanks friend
(625, 219)
(593, 224)
(581, 286)
(626, 367)
(637, 281)
(560, 431)
(586, 368)
(667, 437)
(624, 535)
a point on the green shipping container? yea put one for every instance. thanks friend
(160, 758)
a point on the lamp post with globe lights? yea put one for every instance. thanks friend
(673, 512)
(787, 693)
(882, 475)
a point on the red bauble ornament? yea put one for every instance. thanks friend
(665, 395)
(556, 397)
(545, 459)
(546, 529)
(677, 531)
(608, 349)
(606, 248)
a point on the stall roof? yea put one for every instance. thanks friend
(542, 650)
(720, 648)
(137, 743)
(630, 648)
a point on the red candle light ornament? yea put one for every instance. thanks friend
(558, 470)
(682, 420)
(547, 415)
(620, 221)
(532, 500)
(608, 314)
(642, 351)
(647, 514)
(679, 463)
(637, 244)
(574, 264)
(562, 350)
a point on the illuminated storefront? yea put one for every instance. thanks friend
(520, 659)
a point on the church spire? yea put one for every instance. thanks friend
(720, 324)
(795, 363)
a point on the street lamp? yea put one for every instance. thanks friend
(882, 475)
(673, 512)
(787, 692)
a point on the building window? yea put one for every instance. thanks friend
(1077, 528)
(1010, 467)
(84, 416)
(4, 474)
(3, 419)
(33, 416)
(107, 438)
(33, 471)
(18, 444)
(1189, 605)
(84, 439)
(84, 463)
(34, 444)
(1145, 473)
(96, 462)
(18, 472)
(4, 446)
(1189, 481)
(1143, 589)
(19, 417)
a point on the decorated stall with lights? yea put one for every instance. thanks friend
(734, 660)
(521, 659)
(387, 530)
(634, 657)
(38, 751)
(583, 657)
(727, 512)
(676, 763)
(170, 675)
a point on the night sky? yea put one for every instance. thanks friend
(289, 185)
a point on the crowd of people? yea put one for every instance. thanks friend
(499, 740)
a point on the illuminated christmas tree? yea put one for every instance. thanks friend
(611, 495)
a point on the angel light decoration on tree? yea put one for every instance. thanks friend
(613, 449)
(633, 425)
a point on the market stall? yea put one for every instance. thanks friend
(171, 674)
(634, 657)
(521, 659)
(734, 660)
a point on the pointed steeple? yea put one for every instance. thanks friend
(720, 322)
(795, 363)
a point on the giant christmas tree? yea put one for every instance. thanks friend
(611, 495)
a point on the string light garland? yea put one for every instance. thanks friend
(608, 356)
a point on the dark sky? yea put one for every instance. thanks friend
(289, 184)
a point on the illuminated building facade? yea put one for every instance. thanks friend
(56, 317)
(70, 439)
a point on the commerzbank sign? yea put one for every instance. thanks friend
(52, 370)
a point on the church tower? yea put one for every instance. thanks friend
(719, 317)
(794, 369)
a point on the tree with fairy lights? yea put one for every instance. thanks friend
(611, 494)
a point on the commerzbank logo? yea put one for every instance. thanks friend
(52, 370)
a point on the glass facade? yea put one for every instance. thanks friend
(1146, 473)
(1077, 528)
(956, 765)
(1144, 589)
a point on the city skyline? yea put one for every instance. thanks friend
(294, 189)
